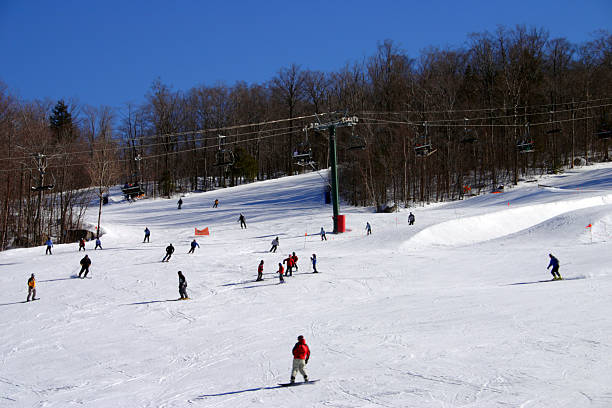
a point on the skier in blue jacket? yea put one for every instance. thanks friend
(554, 262)
(194, 244)
(49, 245)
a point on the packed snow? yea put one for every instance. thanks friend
(457, 310)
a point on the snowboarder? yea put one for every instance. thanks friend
(31, 288)
(242, 221)
(554, 262)
(98, 244)
(182, 286)
(260, 271)
(147, 235)
(180, 203)
(194, 244)
(313, 259)
(301, 354)
(368, 228)
(411, 219)
(280, 273)
(323, 237)
(85, 262)
(274, 245)
(82, 244)
(49, 245)
(295, 259)
(289, 262)
(169, 252)
(216, 204)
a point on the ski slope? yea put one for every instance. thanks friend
(449, 312)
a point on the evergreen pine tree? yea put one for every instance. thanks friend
(60, 122)
(245, 166)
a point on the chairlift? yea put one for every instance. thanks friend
(356, 142)
(469, 136)
(527, 145)
(45, 187)
(302, 155)
(224, 156)
(132, 190)
(604, 132)
(553, 130)
(424, 148)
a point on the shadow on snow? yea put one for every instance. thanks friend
(151, 301)
(548, 280)
(238, 392)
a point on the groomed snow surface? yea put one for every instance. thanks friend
(454, 311)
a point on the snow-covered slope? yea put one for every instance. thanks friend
(450, 312)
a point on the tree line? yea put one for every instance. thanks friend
(449, 122)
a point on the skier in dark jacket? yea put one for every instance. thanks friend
(301, 354)
(323, 237)
(313, 259)
(49, 245)
(169, 252)
(182, 286)
(411, 219)
(554, 262)
(180, 203)
(85, 262)
(368, 228)
(260, 271)
(147, 234)
(194, 244)
(242, 221)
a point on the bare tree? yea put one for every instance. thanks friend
(103, 171)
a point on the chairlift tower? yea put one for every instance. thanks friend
(344, 121)
(41, 164)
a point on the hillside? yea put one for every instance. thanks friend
(454, 311)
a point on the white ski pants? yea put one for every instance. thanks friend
(299, 365)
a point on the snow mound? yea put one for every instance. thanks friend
(480, 228)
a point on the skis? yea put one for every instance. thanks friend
(297, 383)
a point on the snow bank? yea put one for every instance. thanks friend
(473, 229)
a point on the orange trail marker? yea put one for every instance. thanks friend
(202, 232)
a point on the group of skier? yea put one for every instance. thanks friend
(300, 351)
(290, 261)
(49, 244)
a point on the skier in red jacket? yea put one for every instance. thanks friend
(301, 354)
(290, 263)
(280, 273)
(260, 271)
(295, 259)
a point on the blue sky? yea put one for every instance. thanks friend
(109, 52)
